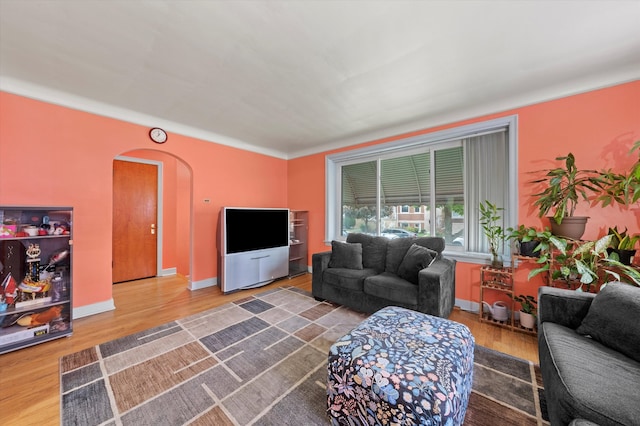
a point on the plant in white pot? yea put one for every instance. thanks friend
(562, 189)
(527, 310)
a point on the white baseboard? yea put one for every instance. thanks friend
(168, 272)
(96, 308)
(467, 305)
(197, 285)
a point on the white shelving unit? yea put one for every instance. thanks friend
(298, 244)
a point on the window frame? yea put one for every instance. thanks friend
(406, 146)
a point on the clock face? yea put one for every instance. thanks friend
(158, 135)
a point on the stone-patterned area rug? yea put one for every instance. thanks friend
(257, 361)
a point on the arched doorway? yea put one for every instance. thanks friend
(174, 210)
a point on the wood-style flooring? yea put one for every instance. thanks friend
(29, 378)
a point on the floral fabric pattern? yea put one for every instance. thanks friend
(401, 367)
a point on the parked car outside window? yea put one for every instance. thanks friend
(397, 233)
(459, 241)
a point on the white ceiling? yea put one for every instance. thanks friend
(288, 78)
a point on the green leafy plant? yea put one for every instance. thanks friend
(564, 188)
(576, 261)
(621, 240)
(621, 272)
(522, 233)
(526, 237)
(527, 303)
(621, 188)
(586, 262)
(548, 243)
(490, 219)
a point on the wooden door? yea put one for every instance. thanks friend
(135, 206)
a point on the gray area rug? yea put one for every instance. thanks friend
(257, 361)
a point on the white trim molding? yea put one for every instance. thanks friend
(167, 272)
(93, 309)
(208, 282)
(468, 305)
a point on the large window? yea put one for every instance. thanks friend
(426, 185)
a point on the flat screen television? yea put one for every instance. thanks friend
(248, 229)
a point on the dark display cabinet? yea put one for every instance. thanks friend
(35, 275)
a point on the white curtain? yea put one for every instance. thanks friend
(486, 166)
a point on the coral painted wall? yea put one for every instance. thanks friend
(599, 127)
(52, 155)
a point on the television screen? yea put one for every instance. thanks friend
(247, 229)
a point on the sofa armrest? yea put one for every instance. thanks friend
(319, 262)
(437, 287)
(561, 306)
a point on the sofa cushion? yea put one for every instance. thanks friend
(345, 255)
(392, 288)
(351, 279)
(396, 249)
(613, 319)
(374, 249)
(415, 259)
(582, 422)
(586, 379)
(433, 243)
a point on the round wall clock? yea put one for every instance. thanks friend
(158, 135)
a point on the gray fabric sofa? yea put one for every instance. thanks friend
(368, 273)
(589, 348)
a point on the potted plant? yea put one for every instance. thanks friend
(563, 188)
(527, 310)
(622, 246)
(526, 239)
(489, 219)
(573, 261)
(609, 268)
(547, 242)
(621, 188)
(620, 272)
(585, 263)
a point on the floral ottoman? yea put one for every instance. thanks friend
(401, 367)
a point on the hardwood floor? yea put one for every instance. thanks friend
(29, 378)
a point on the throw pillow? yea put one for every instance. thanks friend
(416, 259)
(374, 249)
(397, 248)
(345, 255)
(612, 319)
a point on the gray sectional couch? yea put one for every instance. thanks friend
(589, 349)
(368, 273)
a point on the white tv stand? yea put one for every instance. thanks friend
(253, 268)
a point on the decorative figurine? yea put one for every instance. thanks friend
(40, 318)
(33, 262)
(9, 289)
